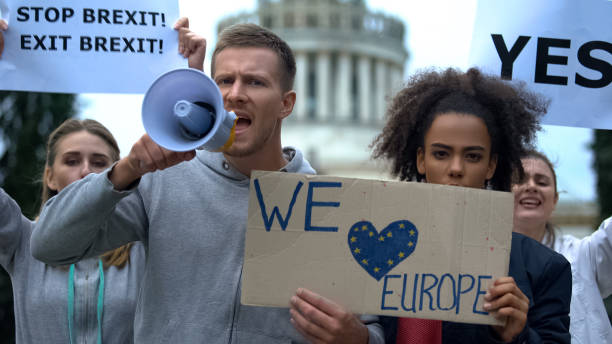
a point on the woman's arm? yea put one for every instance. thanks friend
(14, 229)
(86, 219)
(599, 246)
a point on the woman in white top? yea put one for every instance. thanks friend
(590, 257)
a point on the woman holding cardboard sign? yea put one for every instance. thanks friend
(469, 130)
(535, 199)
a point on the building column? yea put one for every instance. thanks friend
(343, 89)
(301, 85)
(382, 85)
(397, 79)
(364, 91)
(323, 86)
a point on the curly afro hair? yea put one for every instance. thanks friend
(510, 112)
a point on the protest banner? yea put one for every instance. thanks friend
(560, 48)
(389, 248)
(98, 46)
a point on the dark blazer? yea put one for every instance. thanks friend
(544, 276)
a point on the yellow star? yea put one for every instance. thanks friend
(401, 255)
(376, 269)
(364, 228)
(356, 229)
(353, 239)
(357, 250)
(381, 238)
(411, 232)
(389, 234)
(390, 262)
(371, 234)
(409, 244)
(364, 261)
(401, 225)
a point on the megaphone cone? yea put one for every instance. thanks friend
(183, 110)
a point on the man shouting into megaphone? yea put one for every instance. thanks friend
(190, 210)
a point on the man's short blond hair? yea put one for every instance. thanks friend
(252, 35)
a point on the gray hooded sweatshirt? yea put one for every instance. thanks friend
(192, 219)
(40, 291)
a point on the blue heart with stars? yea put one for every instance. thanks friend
(378, 253)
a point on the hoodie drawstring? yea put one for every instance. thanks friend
(100, 308)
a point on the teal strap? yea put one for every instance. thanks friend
(100, 301)
(100, 309)
(70, 301)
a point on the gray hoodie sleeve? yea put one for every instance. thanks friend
(86, 219)
(14, 228)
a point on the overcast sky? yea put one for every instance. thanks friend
(438, 34)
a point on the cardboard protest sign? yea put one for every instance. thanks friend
(390, 248)
(561, 48)
(80, 46)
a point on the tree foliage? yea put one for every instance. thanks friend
(602, 164)
(26, 120)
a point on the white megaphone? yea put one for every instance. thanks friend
(183, 110)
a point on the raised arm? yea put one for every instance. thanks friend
(14, 229)
(3, 27)
(86, 219)
(101, 211)
(191, 45)
(600, 254)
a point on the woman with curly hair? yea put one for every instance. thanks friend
(591, 257)
(470, 130)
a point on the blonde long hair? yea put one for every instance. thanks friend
(121, 255)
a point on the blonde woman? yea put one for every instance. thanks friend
(92, 301)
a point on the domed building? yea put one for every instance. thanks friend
(349, 61)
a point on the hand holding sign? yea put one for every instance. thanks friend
(505, 300)
(323, 321)
(191, 45)
(3, 27)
